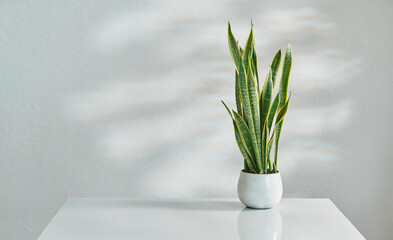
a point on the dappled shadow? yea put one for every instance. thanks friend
(157, 121)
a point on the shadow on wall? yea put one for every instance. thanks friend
(163, 116)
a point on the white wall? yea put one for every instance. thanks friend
(122, 99)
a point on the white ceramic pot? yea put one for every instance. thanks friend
(259, 190)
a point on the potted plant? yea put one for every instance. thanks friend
(258, 122)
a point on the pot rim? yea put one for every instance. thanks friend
(271, 174)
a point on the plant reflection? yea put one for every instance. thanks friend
(263, 224)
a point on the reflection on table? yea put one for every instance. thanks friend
(257, 224)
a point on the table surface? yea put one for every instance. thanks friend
(118, 219)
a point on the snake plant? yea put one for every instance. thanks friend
(259, 117)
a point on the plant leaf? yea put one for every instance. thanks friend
(272, 112)
(239, 106)
(229, 111)
(233, 48)
(248, 94)
(279, 119)
(282, 112)
(269, 148)
(286, 70)
(243, 151)
(265, 137)
(245, 135)
(275, 66)
(264, 107)
(248, 162)
(254, 106)
(248, 49)
(254, 65)
(266, 98)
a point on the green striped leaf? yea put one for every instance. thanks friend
(248, 161)
(264, 107)
(248, 94)
(239, 106)
(269, 148)
(282, 111)
(247, 158)
(265, 138)
(279, 119)
(275, 66)
(229, 111)
(270, 144)
(248, 49)
(266, 98)
(286, 70)
(253, 92)
(272, 112)
(244, 133)
(254, 65)
(242, 113)
(233, 48)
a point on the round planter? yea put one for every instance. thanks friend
(259, 190)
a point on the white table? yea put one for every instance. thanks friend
(227, 219)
